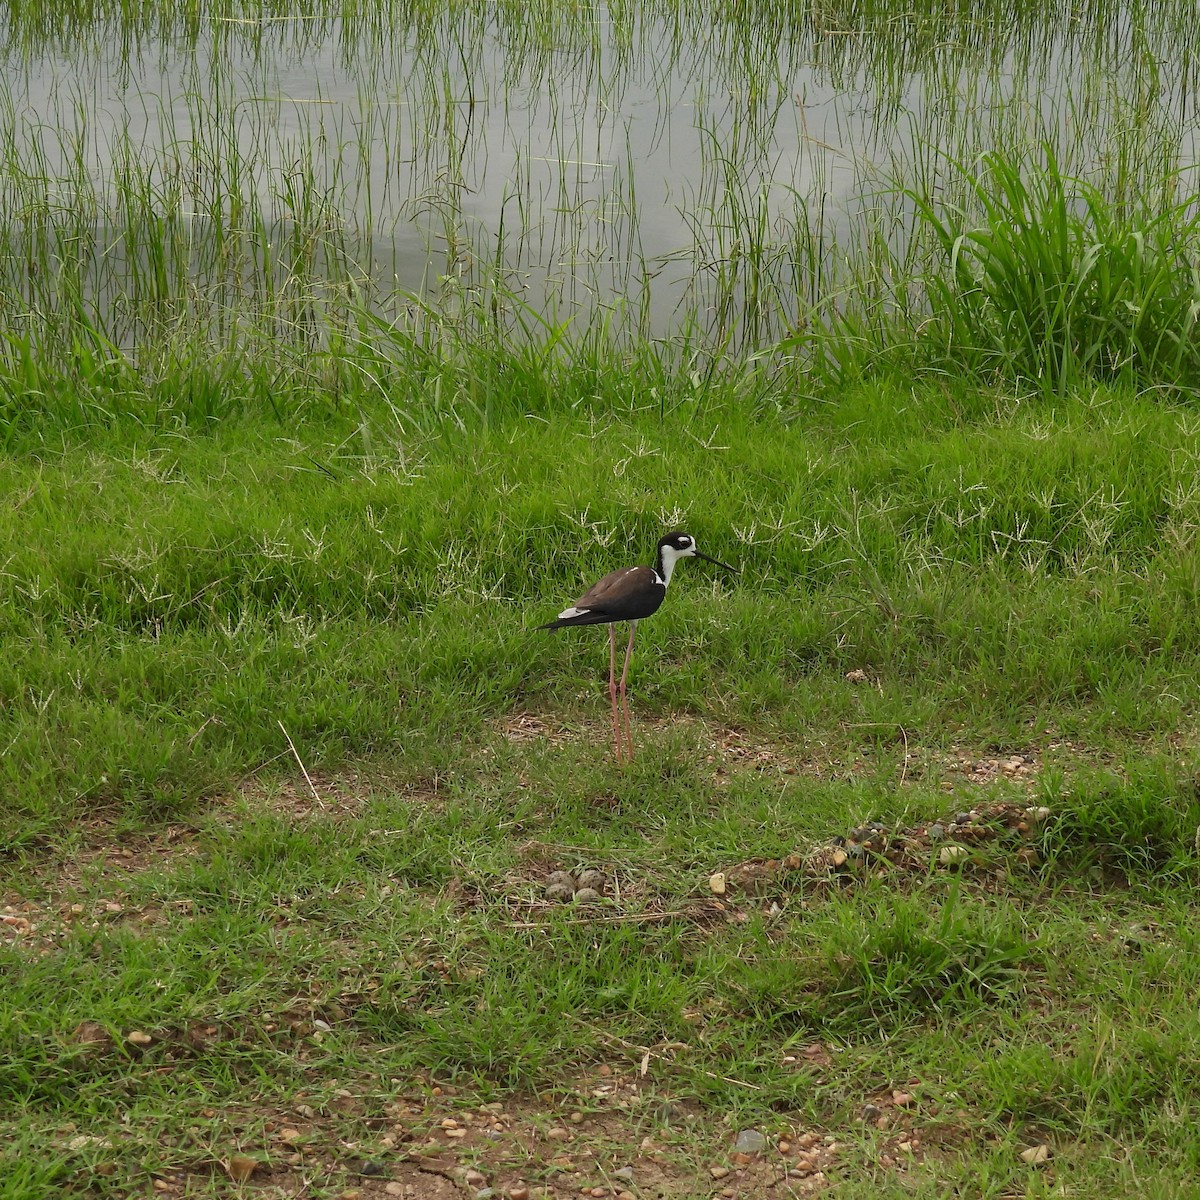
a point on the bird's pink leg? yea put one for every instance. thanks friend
(612, 688)
(624, 700)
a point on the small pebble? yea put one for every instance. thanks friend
(576, 1118)
(1035, 1154)
(520, 1192)
(556, 1133)
(625, 1173)
(901, 1099)
(750, 1141)
(718, 1172)
(963, 818)
(871, 1112)
(717, 884)
(936, 832)
(950, 856)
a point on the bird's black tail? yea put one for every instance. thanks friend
(583, 618)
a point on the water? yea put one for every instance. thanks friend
(662, 171)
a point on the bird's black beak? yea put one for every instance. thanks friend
(716, 562)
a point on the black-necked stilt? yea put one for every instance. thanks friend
(629, 595)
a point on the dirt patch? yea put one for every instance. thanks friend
(525, 727)
(88, 887)
(612, 1135)
(1022, 769)
(987, 840)
(726, 748)
(110, 851)
(42, 927)
(314, 795)
(731, 750)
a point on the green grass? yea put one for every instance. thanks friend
(1003, 576)
(175, 597)
(284, 763)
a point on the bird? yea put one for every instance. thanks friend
(629, 594)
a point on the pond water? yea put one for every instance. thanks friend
(673, 166)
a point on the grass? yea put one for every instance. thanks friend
(357, 594)
(284, 766)
(180, 604)
(355, 216)
(1058, 285)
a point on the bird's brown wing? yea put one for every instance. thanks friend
(604, 590)
(627, 595)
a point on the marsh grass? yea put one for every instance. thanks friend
(1056, 284)
(234, 222)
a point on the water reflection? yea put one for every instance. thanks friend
(672, 164)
